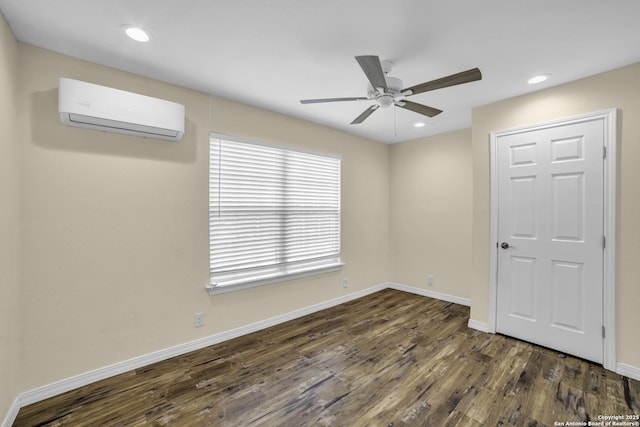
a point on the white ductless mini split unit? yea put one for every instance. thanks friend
(92, 106)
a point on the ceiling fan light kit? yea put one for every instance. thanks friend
(387, 90)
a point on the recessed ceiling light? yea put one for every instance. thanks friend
(137, 34)
(419, 125)
(538, 79)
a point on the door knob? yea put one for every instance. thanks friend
(504, 245)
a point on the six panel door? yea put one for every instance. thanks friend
(550, 228)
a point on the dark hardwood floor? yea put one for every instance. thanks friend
(388, 359)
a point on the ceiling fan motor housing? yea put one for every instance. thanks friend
(386, 98)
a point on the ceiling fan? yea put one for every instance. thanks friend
(387, 90)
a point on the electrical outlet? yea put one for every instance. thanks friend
(345, 282)
(198, 319)
(430, 280)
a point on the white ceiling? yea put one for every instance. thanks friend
(272, 53)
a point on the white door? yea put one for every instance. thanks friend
(550, 231)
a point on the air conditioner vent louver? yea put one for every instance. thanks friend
(102, 108)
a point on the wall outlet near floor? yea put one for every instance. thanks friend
(430, 280)
(198, 319)
(345, 282)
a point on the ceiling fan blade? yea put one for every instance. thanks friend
(452, 80)
(317, 101)
(418, 108)
(366, 113)
(373, 70)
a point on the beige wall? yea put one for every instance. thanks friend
(9, 222)
(431, 213)
(115, 227)
(616, 89)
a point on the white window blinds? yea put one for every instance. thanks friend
(273, 212)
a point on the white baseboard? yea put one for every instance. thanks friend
(480, 326)
(474, 324)
(430, 294)
(13, 413)
(59, 387)
(628, 371)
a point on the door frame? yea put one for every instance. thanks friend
(609, 118)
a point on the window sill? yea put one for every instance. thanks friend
(223, 289)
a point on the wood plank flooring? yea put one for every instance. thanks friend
(388, 359)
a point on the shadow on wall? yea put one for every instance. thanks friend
(48, 131)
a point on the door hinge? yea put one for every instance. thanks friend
(604, 242)
(604, 152)
(603, 332)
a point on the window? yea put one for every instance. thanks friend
(274, 213)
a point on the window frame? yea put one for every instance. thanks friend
(214, 288)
